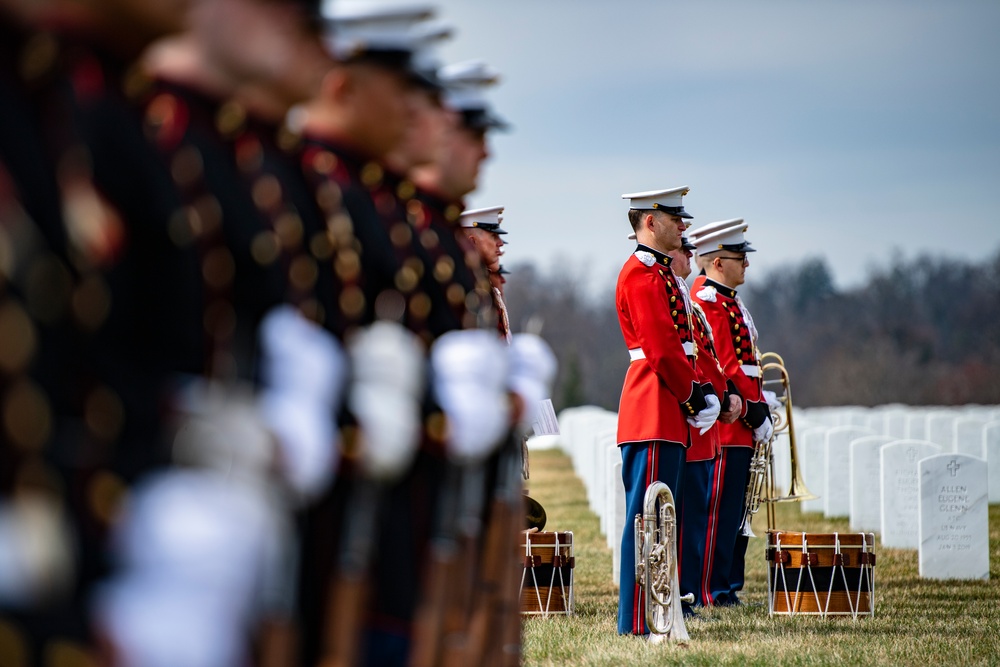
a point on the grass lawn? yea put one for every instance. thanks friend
(917, 621)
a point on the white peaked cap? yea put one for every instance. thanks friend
(669, 201)
(465, 84)
(465, 87)
(722, 235)
(355, 28)
(426, 40)
(487, 218)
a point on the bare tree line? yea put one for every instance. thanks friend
(924, 331)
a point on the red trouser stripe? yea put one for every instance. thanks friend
(712, 528)
(639, 609)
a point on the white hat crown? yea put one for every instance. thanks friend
(481, 216)
(670, 200)
(465, 84)
(355, 28)
(721, 235)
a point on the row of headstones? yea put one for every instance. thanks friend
(842, 464)
(891, 481)
(957, 428)
(588, 435)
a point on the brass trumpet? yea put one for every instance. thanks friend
(762, 462)
(656, 565)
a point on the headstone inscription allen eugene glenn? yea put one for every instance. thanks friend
(954, 522)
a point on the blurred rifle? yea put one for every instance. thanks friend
(495, 592)
(348, 594)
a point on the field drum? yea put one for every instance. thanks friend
(820, 574)
(547, 577)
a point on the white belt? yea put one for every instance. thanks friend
(751, 370)
(637, 353)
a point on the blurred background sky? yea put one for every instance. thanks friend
(844, 130)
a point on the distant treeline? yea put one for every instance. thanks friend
(919, 332)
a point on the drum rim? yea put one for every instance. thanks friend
(854, 540)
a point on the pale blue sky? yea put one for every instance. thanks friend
(845, 130)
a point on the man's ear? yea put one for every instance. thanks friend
(647, 222)
(338, 84)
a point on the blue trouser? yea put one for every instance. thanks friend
(694, 533)
(642, 464)
(725, 557)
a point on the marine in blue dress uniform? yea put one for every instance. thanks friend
(705, 448)
(722, 251)
(663, 393)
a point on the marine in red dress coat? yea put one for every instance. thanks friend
(662, 392)
(696, 531)
(662, 386)
(723, 250)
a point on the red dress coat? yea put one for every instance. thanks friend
(736, 348)
(657, 390)
(706, 447)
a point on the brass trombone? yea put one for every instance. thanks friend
(762, 462)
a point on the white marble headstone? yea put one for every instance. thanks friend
(941, 429)
(583, 441)
(837, 469)
(857, 416)
(612, 455)
(954, 521)
(916, 425)
(597, 468)
(780, 452)
(969, 436)
(876, 421)
(895, 421)
(991, 446)
(813, 457)
(567, 419)
(901, 491)
(821, 416)
(619, 524)
(866, 482)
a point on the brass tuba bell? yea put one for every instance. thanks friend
(656, 565)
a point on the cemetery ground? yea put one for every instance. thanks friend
(917, 621)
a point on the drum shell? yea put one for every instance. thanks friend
(552, 594)
(817, 578)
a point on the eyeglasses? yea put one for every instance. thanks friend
(736, 259)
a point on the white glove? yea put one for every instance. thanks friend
(772, 400)
(763, 432)
(704, 419)
(386, 396)
(193, 549)
(36, 549)
(470, 385)
(303, 370)
(222, 429)
(532, 369)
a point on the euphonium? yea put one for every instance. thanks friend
(656, 565)
(761, 463)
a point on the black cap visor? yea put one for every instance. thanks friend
(673, 210)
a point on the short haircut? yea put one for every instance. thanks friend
(635, 216)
